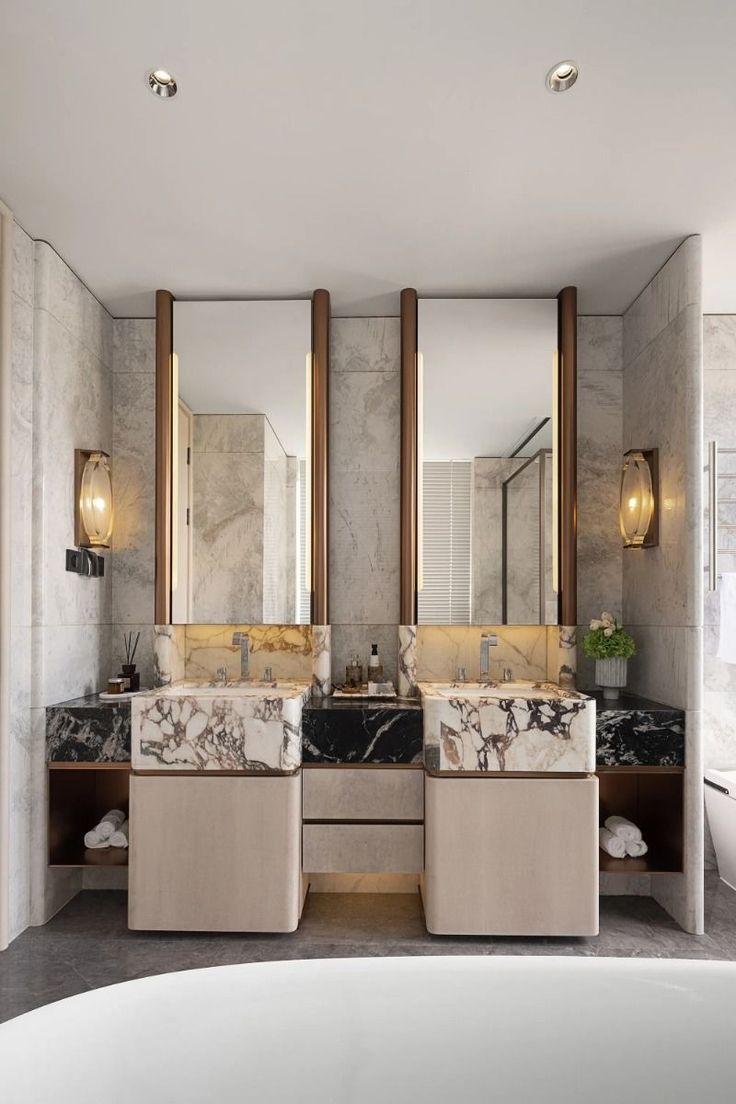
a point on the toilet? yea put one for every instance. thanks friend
(720, 804)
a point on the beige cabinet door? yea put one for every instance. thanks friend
(215, 854)
(511, 856)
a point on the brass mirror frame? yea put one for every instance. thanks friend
(319, 457)
(567, 464)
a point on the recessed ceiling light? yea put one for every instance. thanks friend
(562, 76)
(162, 83)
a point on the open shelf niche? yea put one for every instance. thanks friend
(79, 795)
(652, 797)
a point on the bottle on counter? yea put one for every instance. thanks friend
(354, 672)
(375, 667)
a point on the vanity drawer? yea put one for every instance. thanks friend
(363, 849)
(363, 793)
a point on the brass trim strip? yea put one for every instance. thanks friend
(164, 412)
(567, 339)
(409, 415)
(320, 456)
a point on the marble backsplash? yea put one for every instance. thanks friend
(199, 651)
(442, 649)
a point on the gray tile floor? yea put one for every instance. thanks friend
(88, 945)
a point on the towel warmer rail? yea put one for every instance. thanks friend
(714, 549)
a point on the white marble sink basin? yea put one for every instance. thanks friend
(507, 726)
(240, 726)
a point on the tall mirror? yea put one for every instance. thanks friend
(487, 461)
(240, 485)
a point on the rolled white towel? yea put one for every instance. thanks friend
(92, 843)
(622, 827)
(120, 838)
(110, 823)
(636, 848)
(611, 844)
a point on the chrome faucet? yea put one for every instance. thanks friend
(242, 639)
(487, 641)
(221, 675)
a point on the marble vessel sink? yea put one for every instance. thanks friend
(507, 726)
(239, 726)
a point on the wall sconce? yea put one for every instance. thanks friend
(92, 499)
(638, 508)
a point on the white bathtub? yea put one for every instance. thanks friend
(386, 1031)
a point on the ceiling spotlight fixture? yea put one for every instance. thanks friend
(562, 76)
(161, 83)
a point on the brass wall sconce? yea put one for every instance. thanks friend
(92, 499)
(639, 502)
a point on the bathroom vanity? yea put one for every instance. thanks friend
(215, 806)
(232, 825)
(511, 810)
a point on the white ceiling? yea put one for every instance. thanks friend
(487, 374)
(366, 145)
(247, 358)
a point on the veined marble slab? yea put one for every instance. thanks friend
(87, 730)
(496, 726)
(254, 726)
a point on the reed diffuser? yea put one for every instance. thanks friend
(131, 676)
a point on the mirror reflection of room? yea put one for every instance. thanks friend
(240, 509)
(488, 496)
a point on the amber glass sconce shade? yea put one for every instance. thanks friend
(92, 499)
(638, 509)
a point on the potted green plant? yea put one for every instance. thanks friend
(611, 647)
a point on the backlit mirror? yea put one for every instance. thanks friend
(241, 462)
(487, 496)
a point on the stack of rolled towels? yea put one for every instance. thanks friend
(112, 831)
(620, 838)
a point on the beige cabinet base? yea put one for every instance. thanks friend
(215, 854)
(363, 793)
(511, 856)
(363, 848)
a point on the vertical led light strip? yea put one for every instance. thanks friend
(556, 473)
(420, 472)
(309, 461)
(174, 473)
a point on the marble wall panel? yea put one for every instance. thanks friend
(442, 649)
(133, 468)
(661, 410)
(663, 586)
(71, 615)
(489, 474)
(600, 434)
(72, 409)
(677, 286)
(365, 433)
(350, 639)
(20, 755)
(523, 567)
(227, 519)
(365, 344)
(279, 558)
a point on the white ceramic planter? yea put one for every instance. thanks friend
(610, 674)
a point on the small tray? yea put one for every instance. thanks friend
(125, 696)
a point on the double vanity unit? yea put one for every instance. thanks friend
(243, 793)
